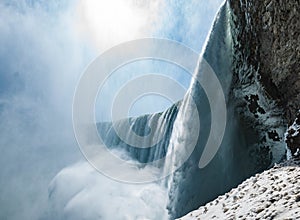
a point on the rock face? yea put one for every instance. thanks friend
(293, 138)
(273, 194)
(271, 33)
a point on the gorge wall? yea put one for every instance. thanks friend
(270, 33)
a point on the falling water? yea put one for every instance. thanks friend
(240, 153)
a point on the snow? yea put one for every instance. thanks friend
(273, 194)
(296, 128)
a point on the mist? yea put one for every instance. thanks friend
(45, 47)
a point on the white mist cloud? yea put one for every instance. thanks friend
(39, 67)
(107, 23)
(80, 192)
(42, 56)
(188, 22)
(45, 46)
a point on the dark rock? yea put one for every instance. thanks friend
(293, 137)
(254, 106)
(273, 135)
(271, 34)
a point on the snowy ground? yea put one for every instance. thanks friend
(273, 194)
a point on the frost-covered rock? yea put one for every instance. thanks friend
(293, 138)
(270, 33)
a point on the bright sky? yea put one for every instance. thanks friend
(107, 23)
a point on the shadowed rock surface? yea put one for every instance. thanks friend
(270, 31)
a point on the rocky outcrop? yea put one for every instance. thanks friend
(270, 31)
(273, 194)
(293, 138)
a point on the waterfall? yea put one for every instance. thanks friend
(247, 146)
(252, 126)
(140, 125)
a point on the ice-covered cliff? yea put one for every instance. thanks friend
(270, 32)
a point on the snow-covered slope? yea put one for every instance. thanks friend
(273, 194)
